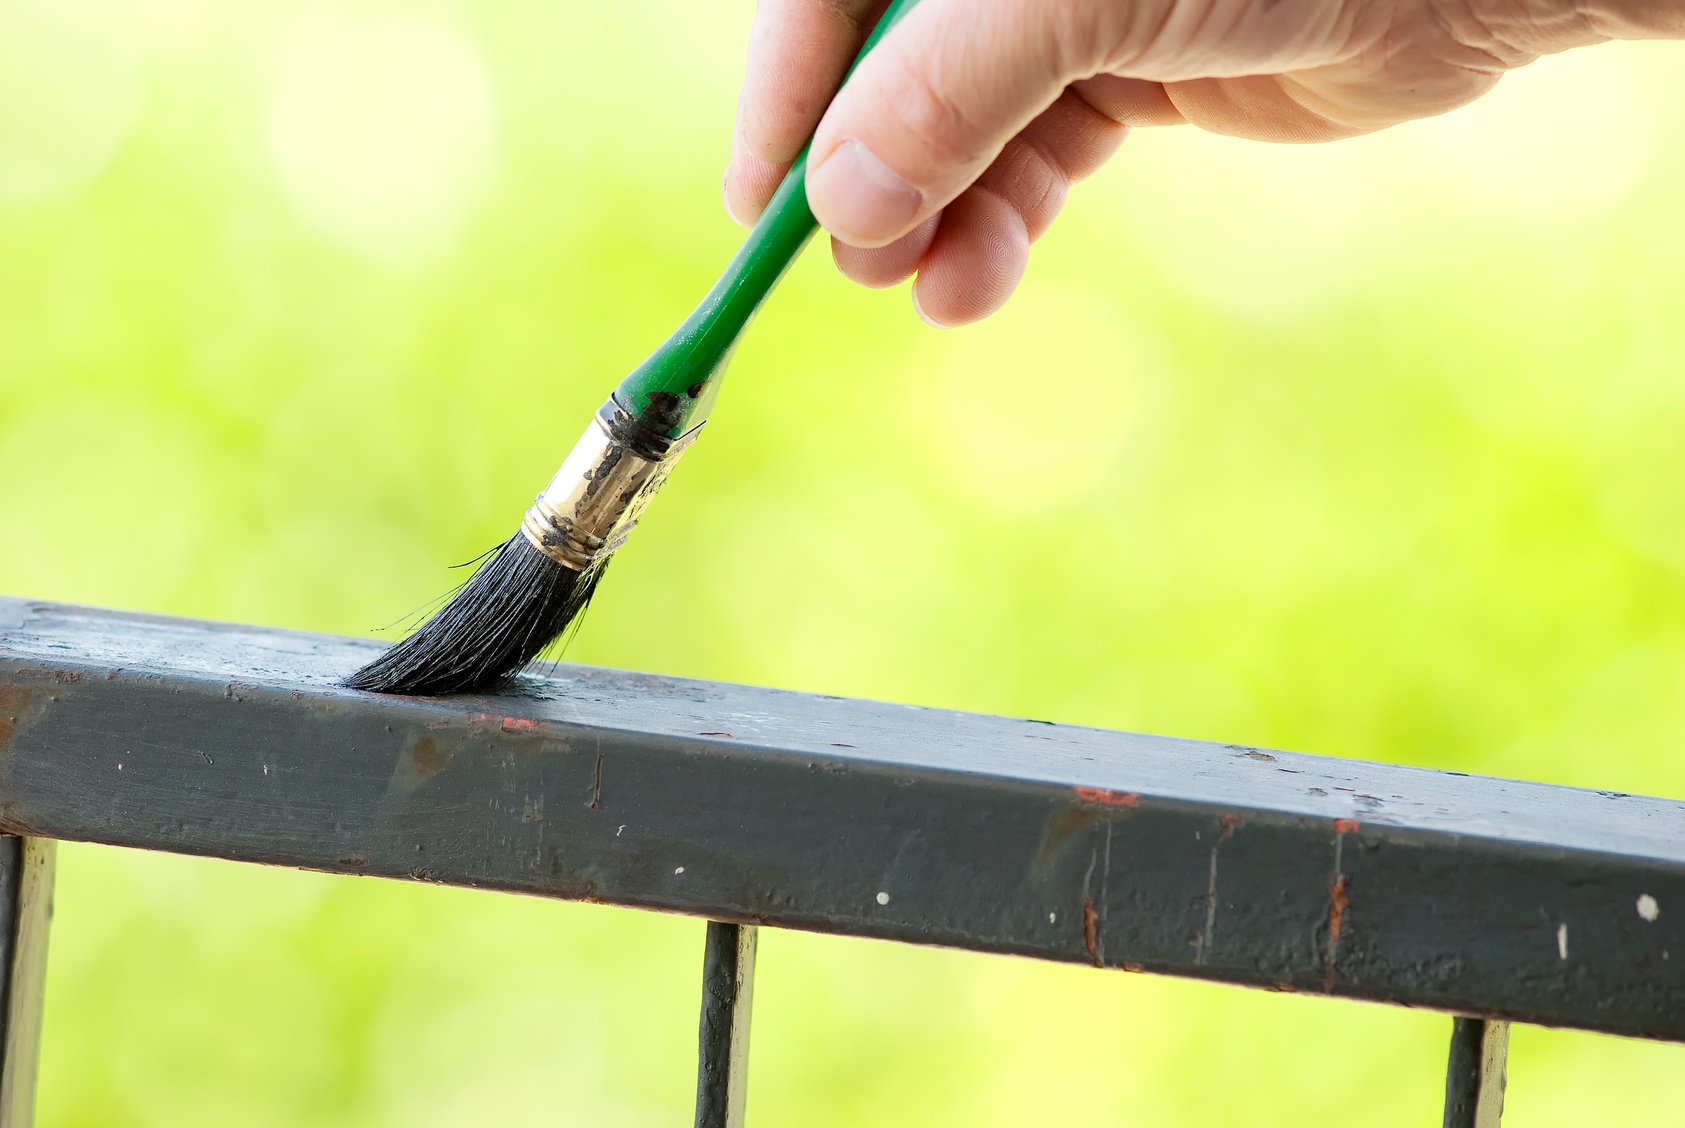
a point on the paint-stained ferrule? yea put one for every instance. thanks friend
(592, 504)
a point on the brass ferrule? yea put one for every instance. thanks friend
(592, 504)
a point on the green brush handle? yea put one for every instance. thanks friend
(672, 391)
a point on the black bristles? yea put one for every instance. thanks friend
(515, 605)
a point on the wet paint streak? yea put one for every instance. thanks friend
(1105, 798)
(1105, 899)
(1227, 825)
(1202, 946)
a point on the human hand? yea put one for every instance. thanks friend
(954, 144)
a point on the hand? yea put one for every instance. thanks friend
(953, 146)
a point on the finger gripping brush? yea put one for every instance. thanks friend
(531, 587)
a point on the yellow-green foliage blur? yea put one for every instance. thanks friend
(1369, 450)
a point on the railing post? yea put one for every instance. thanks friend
(1474, 1074)
(728, 981)
(26, 908)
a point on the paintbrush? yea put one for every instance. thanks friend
(529, 589)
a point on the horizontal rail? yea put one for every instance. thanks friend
(1434, 889)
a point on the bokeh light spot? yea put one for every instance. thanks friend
(67, 97)
(383, 131)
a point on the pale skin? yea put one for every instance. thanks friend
(954, 145)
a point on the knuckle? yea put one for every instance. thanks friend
(849, 13)
(918, 101)
(1075, 136)
(1030, 180)
(1079, 35)
(1475, 40)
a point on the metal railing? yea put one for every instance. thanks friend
(1491, 900)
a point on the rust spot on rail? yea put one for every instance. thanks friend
(1104, 798)
(15, 713)
(1091, 930)
(1337, 904)
(424, 759)
(1063, 822)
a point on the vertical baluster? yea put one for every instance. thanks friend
(728, 980)
(26, 908)
(1474, 1074)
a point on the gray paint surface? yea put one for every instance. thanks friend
(1266, 868)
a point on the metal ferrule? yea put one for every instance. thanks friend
(592, 504)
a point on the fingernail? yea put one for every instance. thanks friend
(860, 199)
(923, 316)
(725, 198)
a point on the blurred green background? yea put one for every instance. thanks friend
(1380, 455)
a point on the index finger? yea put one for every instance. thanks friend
(799, 51)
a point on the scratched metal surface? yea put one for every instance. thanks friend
(1272, 869)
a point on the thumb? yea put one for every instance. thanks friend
(928, 110)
